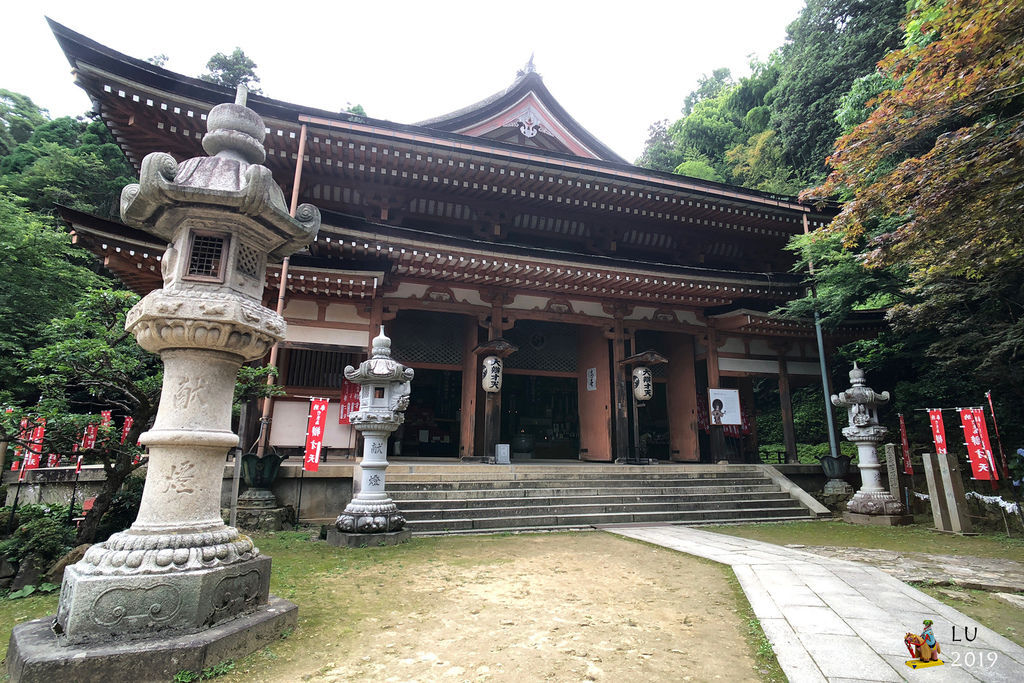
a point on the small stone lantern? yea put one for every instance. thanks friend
(383, 398)
(862, 404)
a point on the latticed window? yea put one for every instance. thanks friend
(248, 261)
(427, 337)
(542, 346)
(310, 368)
(206, 256)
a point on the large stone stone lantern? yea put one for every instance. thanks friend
(862, 404)
(179, 569)
(372, 517)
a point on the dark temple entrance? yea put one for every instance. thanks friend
(544, 408)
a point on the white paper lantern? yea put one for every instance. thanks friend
(492, 375)
(643, 383)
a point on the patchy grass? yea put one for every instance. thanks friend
(914, 538)
(985, 608)
(20, 610)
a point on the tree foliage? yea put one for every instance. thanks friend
(232, 70)
(19, 116)
(41, 276)
(829, 46)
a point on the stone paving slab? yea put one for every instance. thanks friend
(834, 619)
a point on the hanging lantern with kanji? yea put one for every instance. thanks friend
(492, 374)
(643, 383)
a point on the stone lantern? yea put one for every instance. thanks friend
(372, 517)
(861, 403)
(179, 570)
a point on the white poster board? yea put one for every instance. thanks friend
(591, 379)
(724, 407)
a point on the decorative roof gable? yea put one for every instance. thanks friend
(526, 114)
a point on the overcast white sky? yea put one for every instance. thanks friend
(615, 67)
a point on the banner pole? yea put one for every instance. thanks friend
(298, 506)
(999, 440)
(17, 492)
(74, 490)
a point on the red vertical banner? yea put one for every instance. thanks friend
(128, 421)
(974, 438)
(986, 445)
(89, 439)
(315, 433)
(35, 449)
(938, 430)
(349, 401)
(908, 467)
(22, 437)
(104, 418)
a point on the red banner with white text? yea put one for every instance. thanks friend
(34, 453)
(349, 401)
(315, 433)
(979, 451)
(938, 430)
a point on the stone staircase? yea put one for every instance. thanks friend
(461, 499)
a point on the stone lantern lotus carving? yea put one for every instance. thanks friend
(861, 403)
(179, 568)
(383, 398)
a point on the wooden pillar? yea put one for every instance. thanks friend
(492, 403)
(681, 399)
(470, 389)
(621, 389)
(595, 416)
(746, 387)
(786, 408)
(717, 435)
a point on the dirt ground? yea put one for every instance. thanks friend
(549, 607)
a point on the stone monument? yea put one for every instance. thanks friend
(372, 518)
(191, 589)
(872, 504)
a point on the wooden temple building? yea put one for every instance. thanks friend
(504, 219)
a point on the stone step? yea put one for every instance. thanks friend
(428, 502)
(550, 521)
(591, 527)
(561, 510)
(481, 484)
(610, 474)
(641, 491)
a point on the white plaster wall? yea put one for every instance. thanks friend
(593, 308)
(326, 335)
(408, 290)
(289, 424)
(300, 308)
(765, 367)
(641, 313)
(759, 347)
(733, 345)
(469, 296)
(343, 313)
(527, 303)
(803, 368)
(689, 317)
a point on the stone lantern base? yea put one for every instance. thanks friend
(33, 653)
(344, 539)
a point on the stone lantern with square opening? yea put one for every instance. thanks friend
(372, 517)
(179, 570)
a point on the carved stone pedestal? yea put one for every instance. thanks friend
(34, 655)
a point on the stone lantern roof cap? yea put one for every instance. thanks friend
(380, 367)
(231, 179)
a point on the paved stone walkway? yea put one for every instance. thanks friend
(834, 620)
(982, 573)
